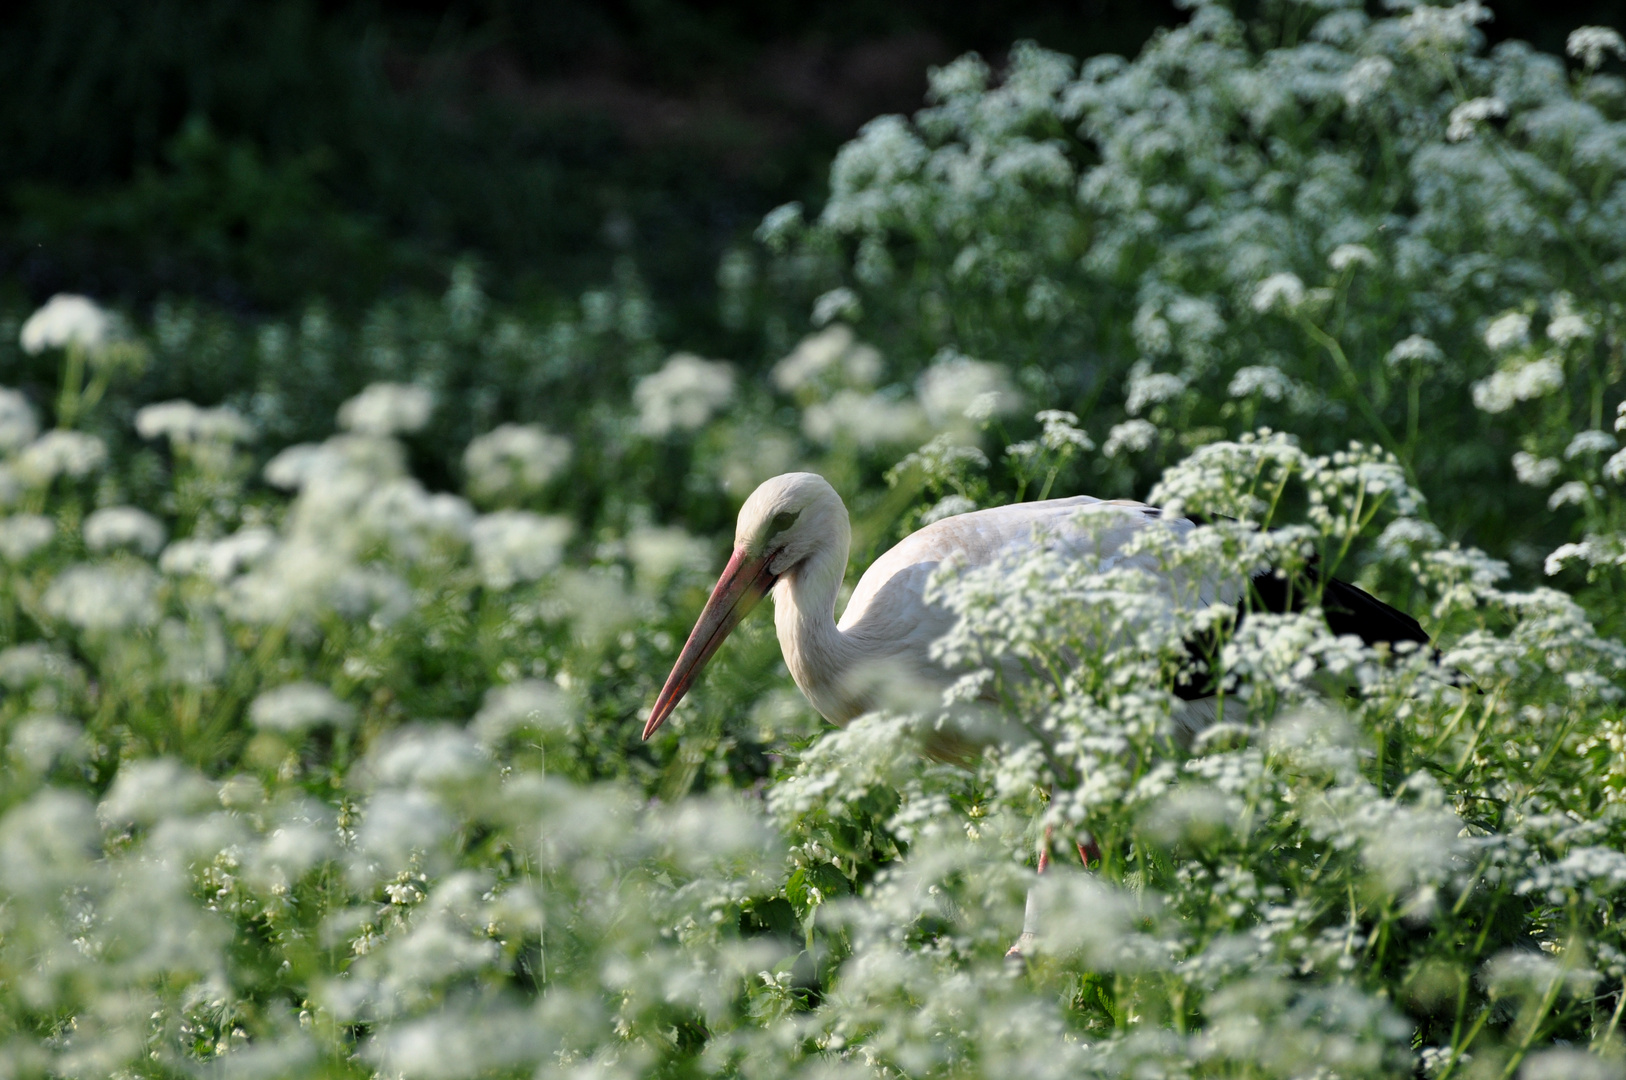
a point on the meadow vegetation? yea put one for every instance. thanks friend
(327, 641)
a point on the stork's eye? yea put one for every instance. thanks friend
(782, 521)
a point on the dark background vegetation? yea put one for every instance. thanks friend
(256, 155)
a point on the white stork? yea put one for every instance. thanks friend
(792, 539)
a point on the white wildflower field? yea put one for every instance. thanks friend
(325, 646)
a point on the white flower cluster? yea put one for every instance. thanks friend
(685, 393)
(67, 320)
(1279, 292)
(299, 707)
(513, 546)
(1523, 382)
(1415, 349)
(99, 598)
(387, 409)
(59, 454)
(1148, 387)
(1533, 470)
(17, 423)
(185, 424)
(833, 354)
(1129, 437)
(1466, 118)
(865, 420)
(124, 527)
(1508, 331)
(956, 389)
(517, 459)
(1591, 44)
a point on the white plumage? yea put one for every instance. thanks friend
(793, 538)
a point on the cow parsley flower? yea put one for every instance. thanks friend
(23, 534)
(18, 427)
(530, 704)
(184, 423)
(357, 459)
(867, 420)
(1521, 972)
(779, 225)
(513, 458)
(1508, 331)
(682, 395)
(1262, 379)
(1615, 468)
(1403, 535)
(148, 791)
(102, 597)
(947, 506)
(1533, 470)
(833, 354)
(838, 303)
(299, 707)
(1568, 324)
(658, 553)
(66, 319)
(1283, 292)
(1345, 256)
(57, 453)
(1415, 349)
(956, 387)
(386, 408)
(1148, 387)
(123, 527)
(1589, 442)
(1061, 431)
(1366, 79)
(39, 741)
(1446, 29)
(511, 546)
(1463, 124)
(1591, 44)
(1526, 382)
(1572, 493)
(1131, 436)
(222, 559)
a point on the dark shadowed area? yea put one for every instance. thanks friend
(260, 154)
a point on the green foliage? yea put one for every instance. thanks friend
(314, 767)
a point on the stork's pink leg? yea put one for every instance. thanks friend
(1088, 851)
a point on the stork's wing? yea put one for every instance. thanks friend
(888, 607)
(1348, 610)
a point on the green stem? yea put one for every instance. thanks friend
(1614, 1021)
(1547, 1002)
(73, 374)
(1370, 414)
(1413, 398)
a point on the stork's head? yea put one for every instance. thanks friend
(784, 522)
(787, 518)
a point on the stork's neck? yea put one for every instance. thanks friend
(818, 654)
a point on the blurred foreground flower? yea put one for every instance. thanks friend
(67, 319)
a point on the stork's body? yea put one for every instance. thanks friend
(888, 626)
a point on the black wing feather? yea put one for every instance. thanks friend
(1348, 610)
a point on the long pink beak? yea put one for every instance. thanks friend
(745, 581)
